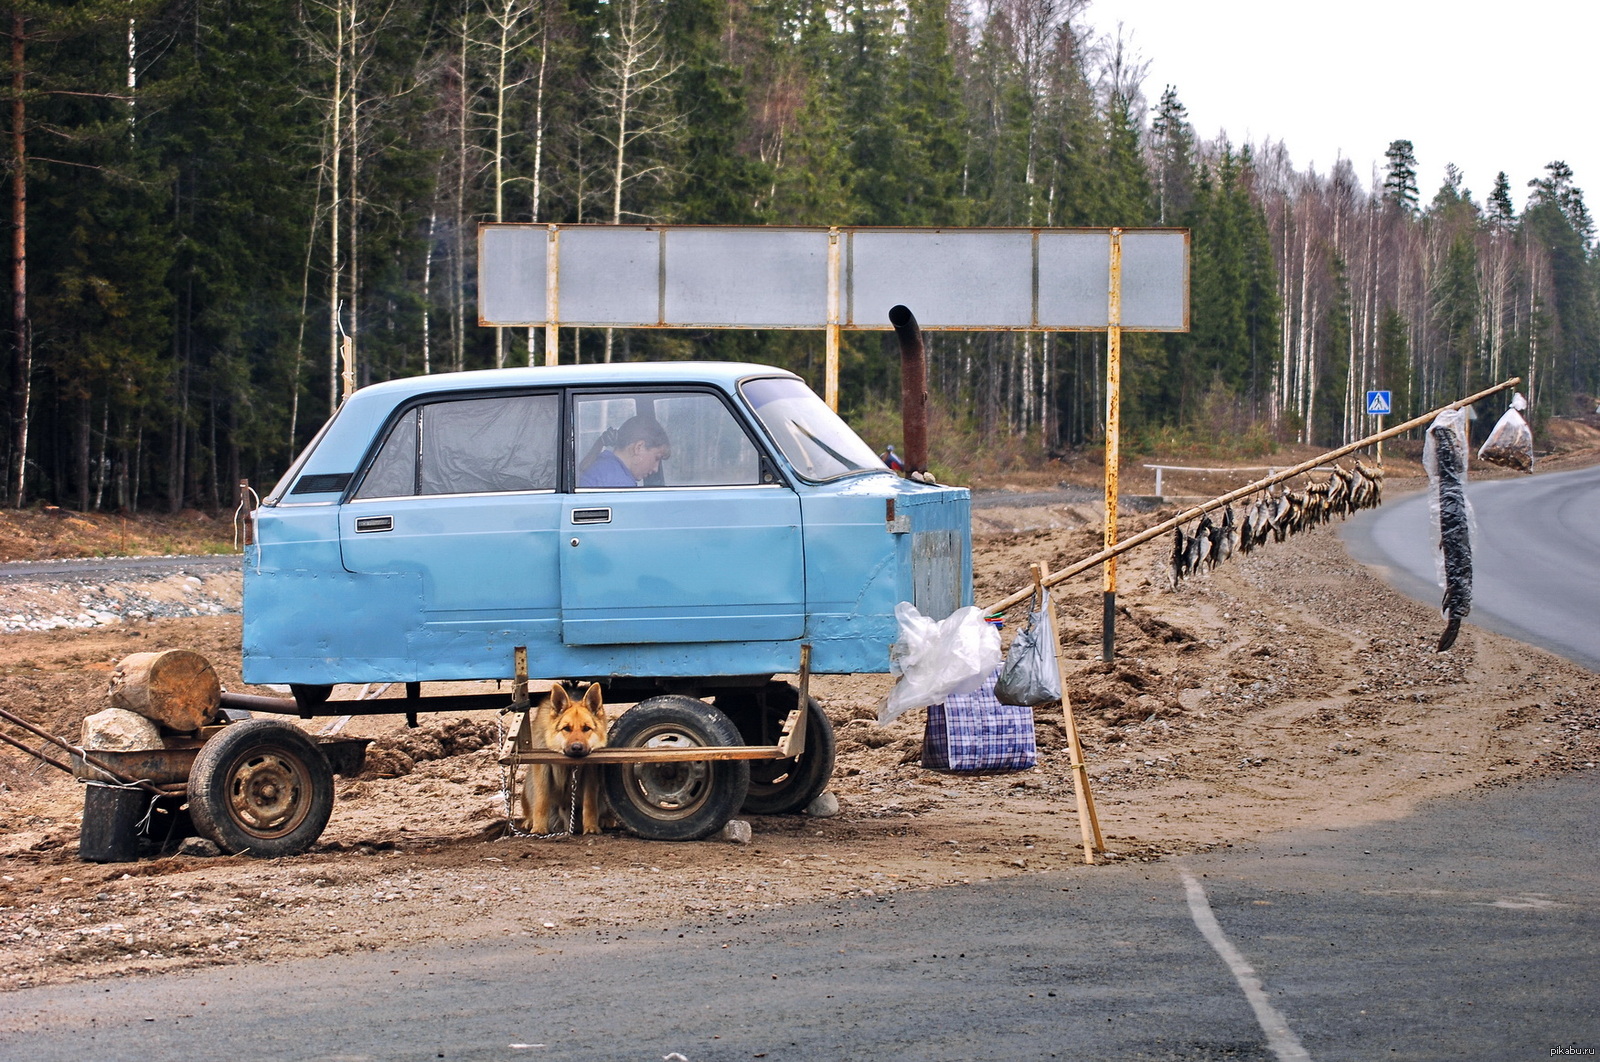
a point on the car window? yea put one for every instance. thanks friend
(469, 446)
(817, 443)
(661, 439)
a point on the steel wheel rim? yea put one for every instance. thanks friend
(267, 793)
(670, 790)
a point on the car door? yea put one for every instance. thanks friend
(705, 546)
(462, 497)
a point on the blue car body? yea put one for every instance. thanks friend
(415, 539)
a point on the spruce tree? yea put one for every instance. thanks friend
(1172, 142)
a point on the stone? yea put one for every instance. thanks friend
(198, 846)
(119, 730)
(736, 831)
(825, 806)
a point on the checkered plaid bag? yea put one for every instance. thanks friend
(975, 732)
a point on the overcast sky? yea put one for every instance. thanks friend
(1508, 86)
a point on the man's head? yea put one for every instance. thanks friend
(642, 445)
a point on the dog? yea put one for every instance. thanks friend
(574, 727)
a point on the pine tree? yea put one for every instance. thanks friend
(1400, 182)
(1501, 212)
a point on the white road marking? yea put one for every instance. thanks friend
(1280, 1038)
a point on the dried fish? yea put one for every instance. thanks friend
(1445, 457)
(1202, 534)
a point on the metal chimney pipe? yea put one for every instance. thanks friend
(913, 388)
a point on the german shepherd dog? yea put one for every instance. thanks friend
(575, 728)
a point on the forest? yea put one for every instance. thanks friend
(210, 197)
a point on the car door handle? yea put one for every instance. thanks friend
(591, 516)
(367, 524)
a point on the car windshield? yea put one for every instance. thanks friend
(817, 443)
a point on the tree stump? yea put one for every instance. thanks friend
(177, 688)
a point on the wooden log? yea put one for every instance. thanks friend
(177, 688)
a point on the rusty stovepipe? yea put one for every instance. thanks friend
(913, 388)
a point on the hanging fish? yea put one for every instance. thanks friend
(1339, 491)
(1204, 536)
(1444, 456)
(1230, 533)
(1191, 555)
(1179, 567)
(1373, 495)
(1247, 533)
(1263, 519)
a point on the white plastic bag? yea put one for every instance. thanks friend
(1511, 442)
(935, 658)
(1030, 676)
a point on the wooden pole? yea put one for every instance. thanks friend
(1184, 517)
(1088, 821)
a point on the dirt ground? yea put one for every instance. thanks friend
(1286, 688)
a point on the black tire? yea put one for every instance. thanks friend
(261, 788)
(781, 787)
(309, 698)
(682, 801)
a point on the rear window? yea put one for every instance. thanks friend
(469, 446)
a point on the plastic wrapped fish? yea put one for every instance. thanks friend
(1444, 455)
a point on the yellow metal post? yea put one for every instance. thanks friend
(552, 297)
(830, 387)
(1108, 623)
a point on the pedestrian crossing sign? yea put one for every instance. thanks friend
(1378, 403)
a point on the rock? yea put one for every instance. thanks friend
(198, 846)
(736, 830)
(1192, 698)
(119, 730)
(825, 806)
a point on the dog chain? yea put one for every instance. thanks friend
(508, 775)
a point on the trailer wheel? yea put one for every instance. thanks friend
(779, 787)
(679, 801)
(260, 788)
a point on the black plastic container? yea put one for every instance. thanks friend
(111, 815)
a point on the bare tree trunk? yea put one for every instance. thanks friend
(22, 353)
(458, 290)
(427, 291)
(335, 269)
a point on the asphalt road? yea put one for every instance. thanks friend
(115, 567)
(1468, 931)
(1535, 557)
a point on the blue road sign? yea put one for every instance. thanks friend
(1378, 403)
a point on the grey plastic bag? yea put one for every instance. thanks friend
(1030, 675)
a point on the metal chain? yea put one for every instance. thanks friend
(509, 775)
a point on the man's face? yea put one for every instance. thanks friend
(643, 460)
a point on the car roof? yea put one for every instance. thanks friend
(725, 374)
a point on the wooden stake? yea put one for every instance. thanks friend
(1088, 821)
